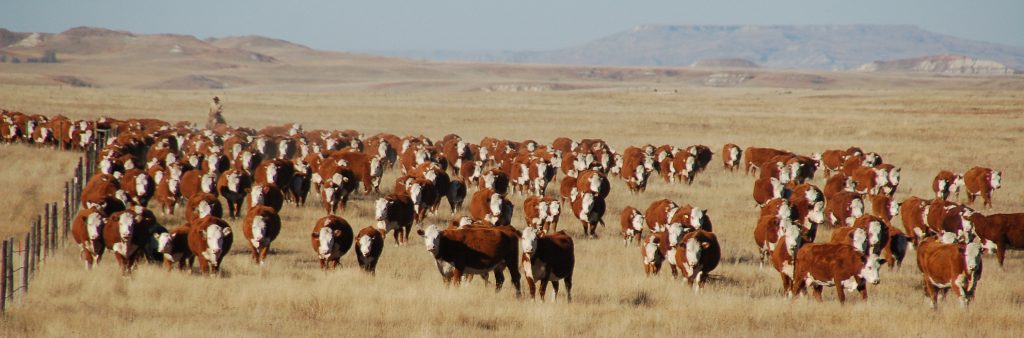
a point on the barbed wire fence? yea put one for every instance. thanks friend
(21, 257)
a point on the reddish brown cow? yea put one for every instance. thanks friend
(766, 189)
(754, 157)
(783, 257)
(839, 265)
(912, 213)
(173, 246)
(167, 190)
(87, 230)
(947, 183)
(474, 250)
(202, 205)
(332, 238)
(589, 209)
(838, 183)
(843, 208)
(870, 180)
(567, 190)
(233, 185)
(99, 187)
(547, 258)
(1000, 232)
(884, 207)
(265, 194)
(490, 206)
(732, 154)
(195, 182)
(945, 266)
(766, 234)
(632, 225)
(260, 227)
(593, 182)
(369, 245)
(496, 180)
(698, 254)
(659, 214)
(124, 236)
(542, 213)
(982, 181)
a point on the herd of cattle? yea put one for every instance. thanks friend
(257, 172)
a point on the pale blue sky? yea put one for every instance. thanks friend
(495, 25)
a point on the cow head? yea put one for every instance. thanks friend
(542, 210)
(125, 225)
(494, 204)
(958, 183)
(272, 173)
(163, 242)
(869, 272)
(694, 248)
(381, 209)
(651, 251)
(794, 169)
(477, 170)
(860, 241)
(554, 209)
(850, 185)
(967, 233)
(794, 237)
(812, 195)
(528, 243)
(785, 210)
(894, 208)
(122, 196)
(431, 238)
(259, 231)
(894, 176)
(817, 213)
(233, 181)
(213, 162)
(691, 164)
(93, 222)
(256, 195)
(204, 209)
(856, 207)
(416, 194)
(875, 236)
(376, 166)
(325, 238)
(734, 155)
(594, 182)
(585, 205)
(141, 184)
(996, 179)
(214, 236)
(365, 245)
(194, 161)
(209, 182)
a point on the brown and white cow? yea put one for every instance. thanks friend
(766, 189)
(369, 245)
(884, 207)
(684, 167)
(474, 251)
(767, 232)
(843, 208)
(732, 154)
(261, 227)
(838, 183)
(833, 160)
(234, 184)
(1000, 232)
(173, 246)
(491, 206)
(99, 187)
(913, 213)
(195, 182)
(982, 181)
(870, 180)
(943, 216)
(210, 240)
(496, 180)
(167, 189)
(87, 230)
(567, 190)
(594, 182)
(265, 194)
(139, 186)
(123, 237)
(783, 256)
(424, 197)
(947, 266)
(697, 255)
(829, 264)
(542, 213)
(693, 218)
(659, 214)
(395, 212)
(589, 209)
(331, 238)
(547, 258)
(947, 183)
(661, 246)
(754, 157)
(456, 194)
(203, 205)
(632, 225)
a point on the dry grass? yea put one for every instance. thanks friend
(920, 130)
(31, 176)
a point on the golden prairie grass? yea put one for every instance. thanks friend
(31, 176)
(921, 131)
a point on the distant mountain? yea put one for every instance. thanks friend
(723, 63)
(941, 64)
(828, 47)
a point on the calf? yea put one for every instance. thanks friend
(87, 230)
(945, 266)
(369, 244)
(260, 227)
(947, 183)
(210, 240)
(632, 225)
(395, 213)
(698, 254)
(331, 239)
(173, 245)
(982, 181)
(474, 250)
(839, 265)
(547, 258)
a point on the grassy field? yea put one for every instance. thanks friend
(31, 176)
(922, 131)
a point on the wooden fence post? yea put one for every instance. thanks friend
(67, 212)
(3, 281)
(45, 222)
(10, 270)
(25, 261)
(54, 226)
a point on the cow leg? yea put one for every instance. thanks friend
(863, 290)
(533, 288)
(987, 196)
(568, 288)
(543, 289)
(817, 292)
(787, 284)
(456, 277)
(840, 290)
(499, 280)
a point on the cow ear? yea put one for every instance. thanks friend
(315, 235)
(337, 233)
(202, 233)
(226, 231)
(156, 236)
(705, 245)
(421, 233)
